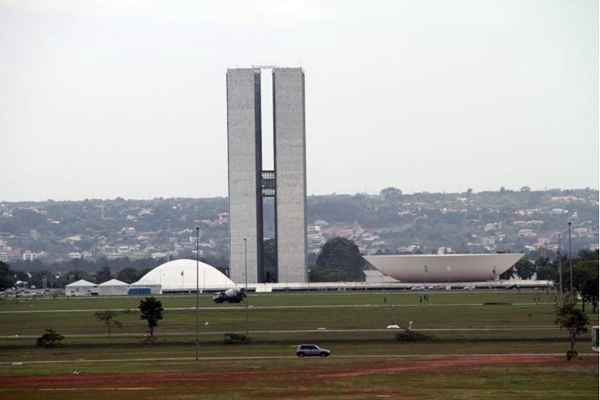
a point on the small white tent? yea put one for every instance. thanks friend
(80, 288)
(113, 287)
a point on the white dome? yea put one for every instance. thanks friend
(181, 275)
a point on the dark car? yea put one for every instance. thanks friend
(230, 296)
(311, 350)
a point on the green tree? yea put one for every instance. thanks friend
(108, 318)
(574, 320)
(547, 269)
(73, 276)
(270, 260)
(49, 339)
(525, 268)
(585, 280)
(391, 194)
(103, 275)
(151, 310)
(339, 260)
(129, 275)
(7, 277)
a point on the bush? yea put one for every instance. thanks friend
(49, 339)
(571, 354)
(236, 338)
(412, 336)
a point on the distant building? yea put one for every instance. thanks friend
(444, 268)
(249, 183)
(113, 287)
(181, 276)
(80, 288)
(28, 255)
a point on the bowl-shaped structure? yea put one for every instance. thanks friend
(444, 268)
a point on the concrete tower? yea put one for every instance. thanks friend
(249, 183)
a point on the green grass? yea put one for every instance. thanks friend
(522, 327)
(280, 299)
(442, 311)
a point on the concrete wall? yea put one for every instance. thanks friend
(244, 159)
(290, 167)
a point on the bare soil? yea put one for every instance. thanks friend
(148, 381)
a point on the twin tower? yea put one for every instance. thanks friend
(249, 183)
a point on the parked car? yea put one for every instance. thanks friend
(311, 350)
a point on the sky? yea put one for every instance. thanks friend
(123, 98)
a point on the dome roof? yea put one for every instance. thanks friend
(113, 282)
(181, 275)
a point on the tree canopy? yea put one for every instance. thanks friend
(103, 275)
(151, 310)
(129, 275)
(108, 319)
(7, 278)
(585, 280)
(575, 321)
(339, 260)
(270, 260)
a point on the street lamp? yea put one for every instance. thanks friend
(560, 266)
(197, 292)
(570, 262)
(246, 278)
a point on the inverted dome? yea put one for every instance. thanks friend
(180, 275)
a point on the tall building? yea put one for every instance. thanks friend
(249, 183)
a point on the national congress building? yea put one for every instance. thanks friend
(249, 183)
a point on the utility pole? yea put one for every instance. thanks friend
(246, 277)
(570, 263)
(197, 292)
(560, 276)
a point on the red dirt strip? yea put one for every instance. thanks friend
(311, 369)
(445, 364)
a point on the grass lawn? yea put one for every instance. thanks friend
(360, 311)
(282, 299)
(366, 363)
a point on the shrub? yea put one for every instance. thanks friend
(412, 336)
(49, 339)
(236, 338)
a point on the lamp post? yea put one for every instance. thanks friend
(197, 292)
(246, 278)
(570, 263)
(560, 277)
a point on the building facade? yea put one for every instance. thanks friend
(249, 183)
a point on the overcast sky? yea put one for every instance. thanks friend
(100, 99)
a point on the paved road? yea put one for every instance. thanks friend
(284, 331)
(288, 357)
(243, 307)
